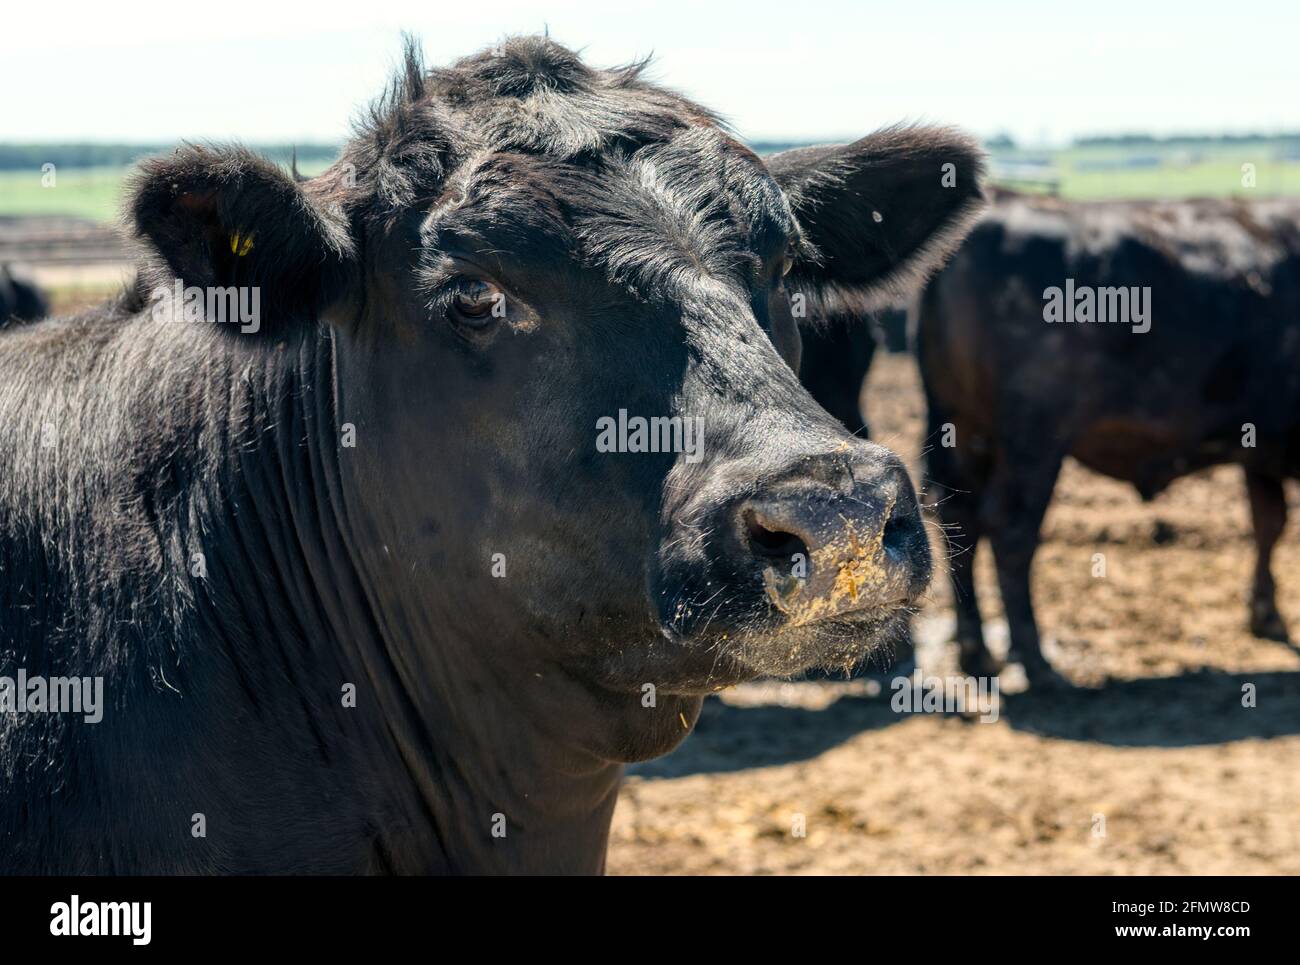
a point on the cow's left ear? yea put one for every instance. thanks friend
(227, 217)
(882, 213)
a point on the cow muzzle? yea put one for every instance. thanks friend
(770, 570)
(836, 540)
(813, 564)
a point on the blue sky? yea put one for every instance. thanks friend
(1044, 72)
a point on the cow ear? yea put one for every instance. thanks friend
(226, 217)
(880, 214)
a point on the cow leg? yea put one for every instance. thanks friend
(1268, 517)
(1019, 495)
(960, 513)
(835, 359)
(957, 482)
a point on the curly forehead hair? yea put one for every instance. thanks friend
(623, 164)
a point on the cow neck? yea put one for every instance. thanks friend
(462, 775)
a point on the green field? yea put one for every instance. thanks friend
(1213, 179)
(94, 193)
(1199, 169)
(86, 192)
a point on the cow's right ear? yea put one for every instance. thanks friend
(226, 217)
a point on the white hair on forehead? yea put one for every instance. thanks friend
(686, 209)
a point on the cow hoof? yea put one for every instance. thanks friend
(979, 663)
(1040, 674)
(1268, 625)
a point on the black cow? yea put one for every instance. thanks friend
(1197, 363)
(837, 352)
(365, 585)
(20, 299)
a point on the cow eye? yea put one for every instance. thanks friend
(786, 264)
(476, 303)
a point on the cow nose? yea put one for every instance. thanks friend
(836, 538)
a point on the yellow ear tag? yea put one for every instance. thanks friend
(240, 244)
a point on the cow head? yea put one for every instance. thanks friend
(561, 307)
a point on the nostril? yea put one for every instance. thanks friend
(898, 533)
(766, 540)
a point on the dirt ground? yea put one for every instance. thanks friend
(1153, 766)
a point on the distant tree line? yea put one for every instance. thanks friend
(1183, 140)
(771, 147)
(30, 157)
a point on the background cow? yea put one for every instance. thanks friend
(838, 347)
(1215, 379)
(362, 590)
(20, 300)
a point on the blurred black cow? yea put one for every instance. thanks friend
(837, 352)
(20, 299)
(1197, 362)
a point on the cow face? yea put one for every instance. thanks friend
(561, 309)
